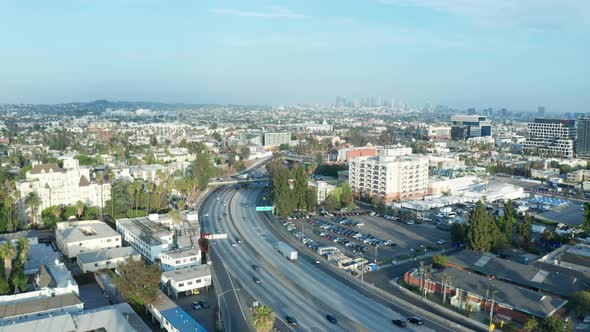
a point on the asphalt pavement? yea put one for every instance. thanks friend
(300, 289)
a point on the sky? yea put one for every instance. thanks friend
(517, 54)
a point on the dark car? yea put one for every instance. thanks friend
(399, 322)
(332, 319)
(416, 320)
(291, 320)
(256, 267)
(204, 305)
(257, 280)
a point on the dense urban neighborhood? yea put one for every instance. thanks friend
(145, 216)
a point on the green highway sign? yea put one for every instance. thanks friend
(265, 208)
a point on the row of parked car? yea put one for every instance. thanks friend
(300, 236)
(348, 222)
(349, 233)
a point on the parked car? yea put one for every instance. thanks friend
(196, 306)
(204, 304)
(441, 242)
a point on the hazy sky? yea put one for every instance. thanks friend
(499, 53)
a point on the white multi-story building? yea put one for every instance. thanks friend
(111, 258)
(73, 238)
(551, 138)
(323, 188)
(147, 237)
(276, 139)
(186, 279)
(180, 258)
(390, 178)
(62, 186)
(394, 151)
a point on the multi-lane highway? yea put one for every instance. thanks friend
(299, 289)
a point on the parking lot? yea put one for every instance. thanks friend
(371, 236)
(204, 316)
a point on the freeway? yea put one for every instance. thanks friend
(300, 289)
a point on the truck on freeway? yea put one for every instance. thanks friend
(288, 252)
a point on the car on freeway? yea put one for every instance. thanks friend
(399, 322)
(238, 240)
(233, 244)
(257, 280)
(196, 306)
(416, 320)
(204, 304)
(332, 319)
(256, 267)
(317, 261)
(410, 222)
(291, 320)
(441, 242)
(245, 219)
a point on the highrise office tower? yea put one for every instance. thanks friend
(551, 138)
(583, 141)
(466, 126)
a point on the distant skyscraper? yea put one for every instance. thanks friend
(541, 111)
(583, 141)
(471, 111)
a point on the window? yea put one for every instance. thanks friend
(189, 283)
(193, 259)
(181, 284)
(178, 261)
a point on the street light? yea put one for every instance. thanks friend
(362, 271)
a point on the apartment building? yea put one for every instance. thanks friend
(180, 258)
(583, 141)
(577, 176)
(347, 154)
(171, 317)
(323, 189)
(73, 238)
(111, 258)
(551, 138)
(186, 280)
(391, 178)
(62, 186)
(147, 237)
(276, 139)
(438, 132)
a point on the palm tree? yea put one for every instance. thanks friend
(33, 201)
(9, 206)
(7, 251)
(23, 247)
(80, 206)
(263, 319)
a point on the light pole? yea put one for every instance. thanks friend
(362, 271)
(376, 254)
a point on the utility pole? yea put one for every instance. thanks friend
(376, 254)
(492, 309)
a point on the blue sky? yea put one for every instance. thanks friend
(462, 53)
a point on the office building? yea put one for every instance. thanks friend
(391, 178)
(276, 139)
(437, 132)
(467, 126)
(583, 141)
(73, 238)
(61, 186)
(147, 237)
(551, 138)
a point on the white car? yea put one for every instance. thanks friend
(441, 242)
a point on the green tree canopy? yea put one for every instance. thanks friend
(138, 283)
(482, 229)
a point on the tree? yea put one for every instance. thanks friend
(524, 230)
(7, 252)
(579, 303)
(18, 279)
(80, 206)
(439, 261)
(312, 199)
(300, 187)
(552, 324)
(33, 201)
(331, 202)
(482, 229)
(245, 153)
(346, 196)
(586, 223)
(531, 325)
(284, 147)
(138, 283)
(203, 169)
(263, 319)
(4, 285)
(153, 140)
(378, 204)
(22, 245)
(459, 232)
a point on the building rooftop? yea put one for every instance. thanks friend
(181, 320)
(28, 234)
(55, 276)
(46, 168)
(36, 305)
(149, 232)
(110, 253)
(114, 318)
(39, 255)
(182, 252)
(187, 273)
(83, 230)
(578, 255)
(560, 283)
(519, 298)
